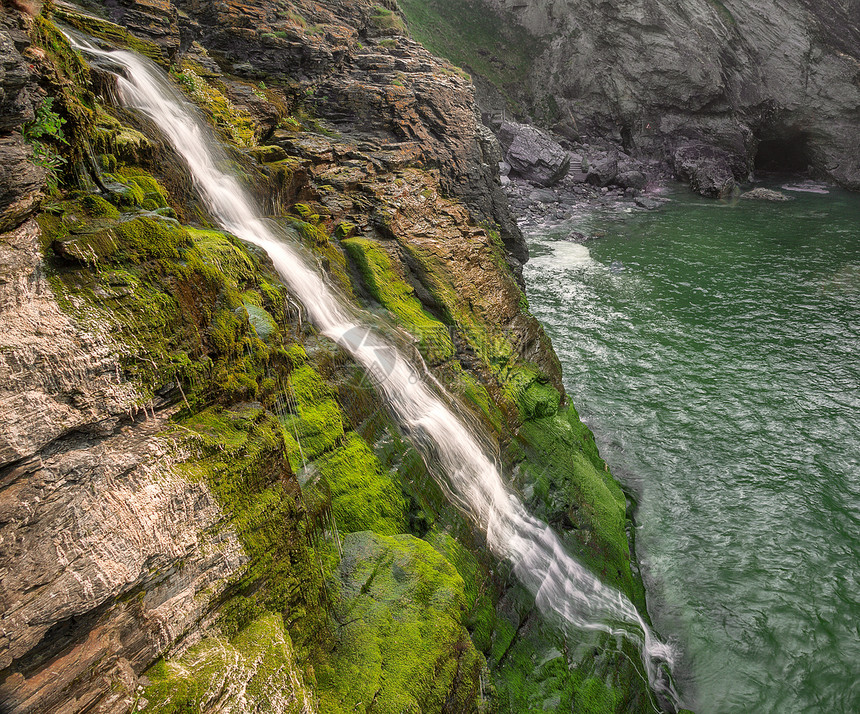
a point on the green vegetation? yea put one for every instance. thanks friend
(393, 293)
(387, 21)
(400, 642)
(336, 594)
(106, 30)
(234, 124)
(248, 672)
(567, 484)
(478, 40)
(43, 134)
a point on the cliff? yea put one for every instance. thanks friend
(769, 85)
(204, 506)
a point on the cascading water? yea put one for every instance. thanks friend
(562, 587)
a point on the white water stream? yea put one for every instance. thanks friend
(561, 586)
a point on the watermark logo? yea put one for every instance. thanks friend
(379, 357)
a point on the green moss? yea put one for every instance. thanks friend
(363, 497)
(315, 239)
(568, 484)
(97, 207)
(391, 291)
(115, 34)
(344, 229)
(304, 211)
(475, 393)
(531, 392)
(235, 124)
(257, 667)
(260, 320)
(268, 154)
(69, 104)
(147, 185)
(244, 462)
(400, 643)
(137, 240)
(539, 670)
(113, 139)
(387, 21)
(317, 425)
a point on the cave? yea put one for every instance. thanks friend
(788, 155)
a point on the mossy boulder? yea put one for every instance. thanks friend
(401, 643)
(268, 154)
(137, 240)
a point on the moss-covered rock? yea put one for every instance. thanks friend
(392, 292)
(567, 483)
(400, 643)
(253, 671)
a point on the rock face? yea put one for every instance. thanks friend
(395, 93)
(750, 77)
(603, 173)
(707, 168)
(21, 181)
(533, 155)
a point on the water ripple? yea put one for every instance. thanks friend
(720, 373)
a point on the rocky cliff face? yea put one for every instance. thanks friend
(203, 504)
(769, 84)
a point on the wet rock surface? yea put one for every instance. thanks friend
(601, 176)
(118, 550)
(532, 154)
(21, 181)
(766, 194)
(707, 169)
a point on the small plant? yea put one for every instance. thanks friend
(290, 123)
(387, 21)
(47, 124)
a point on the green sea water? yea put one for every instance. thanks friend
(714, 349)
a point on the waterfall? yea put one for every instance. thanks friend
(563, 588)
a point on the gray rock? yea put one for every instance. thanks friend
(21, 182)
(543, 195)
(532, 154)
(577, 237)
(648, 203)
(504, 168)
(707, 168)
(726, 73)
(603, 172)
(16, 105)
(631, 179)
(766, 194)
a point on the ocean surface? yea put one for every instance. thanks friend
(714, 349)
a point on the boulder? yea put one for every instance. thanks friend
(631, 179)
(533, 154)
(647, 203)
(602, 173)
(766, 194)
(707, 168)
(576, 237)
(543, 195)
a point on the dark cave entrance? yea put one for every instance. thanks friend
(789, 155)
